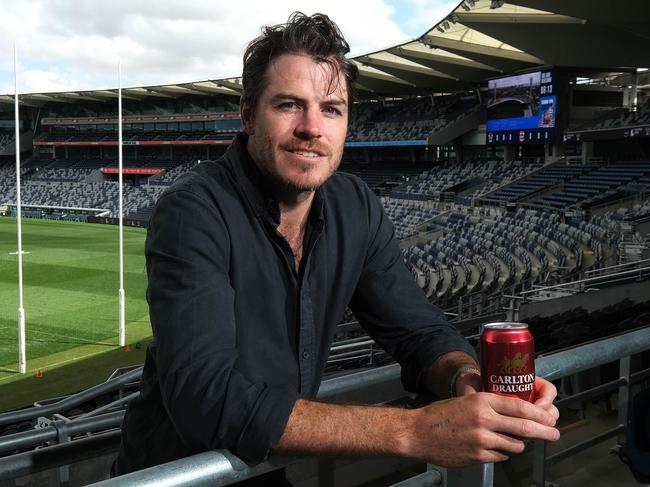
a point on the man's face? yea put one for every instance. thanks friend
(297, 132)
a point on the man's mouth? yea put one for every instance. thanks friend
(311, 153)
(306, 153)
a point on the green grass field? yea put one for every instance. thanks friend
(71, 281)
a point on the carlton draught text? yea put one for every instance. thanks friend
(508, 360)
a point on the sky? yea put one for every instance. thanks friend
(69, 45)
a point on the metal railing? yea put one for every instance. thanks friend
(615, 268)
(67, 439)
(478, 304)
(584, 284)
(539, 293)
(71, 401)
(217, 468)
(362, 348)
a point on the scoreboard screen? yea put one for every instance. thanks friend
(522, 109)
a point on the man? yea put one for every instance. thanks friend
(251, 263)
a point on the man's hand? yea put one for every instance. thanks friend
(545, 394)
(478, 427)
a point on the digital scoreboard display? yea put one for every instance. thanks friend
(522, 109)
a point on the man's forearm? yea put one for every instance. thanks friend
(346, 430)
(351, 430)
(474, 428)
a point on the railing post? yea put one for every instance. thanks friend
(624, 392)
(510, 312)
(515, 310)
(539, 463)
(471, 476)
(63, 472)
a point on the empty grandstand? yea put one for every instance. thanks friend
(552, 232)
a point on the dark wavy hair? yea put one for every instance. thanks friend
(315, 36)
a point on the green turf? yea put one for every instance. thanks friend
(71, 281)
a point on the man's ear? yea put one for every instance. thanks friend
(246, 115)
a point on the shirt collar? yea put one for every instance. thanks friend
(257, 187)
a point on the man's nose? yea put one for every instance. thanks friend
(309, 124)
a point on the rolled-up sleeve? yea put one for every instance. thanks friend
(212, 404)
(395, 311)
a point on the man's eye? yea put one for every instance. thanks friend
(332, 111)
(288, 105)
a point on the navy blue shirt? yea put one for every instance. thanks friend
(239, 334)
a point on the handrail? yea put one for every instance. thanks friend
(31, 438)
(70, 401)
(210, 468)
(626, 264)
(220, 467)
(593, 354)
(42, 459)
(336, 348)
(327, 388)
(357, 380)
(586, 281)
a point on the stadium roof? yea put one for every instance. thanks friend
(479, 39)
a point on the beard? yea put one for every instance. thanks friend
(296, 188)
(269, 162)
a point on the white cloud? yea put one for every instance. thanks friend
(38, 80)
(72, 45)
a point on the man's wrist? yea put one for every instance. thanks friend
(403, 443)
(453, 383)
(437, 377)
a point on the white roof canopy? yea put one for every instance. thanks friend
(478, 40)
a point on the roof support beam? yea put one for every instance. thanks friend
(9, 100)
(112, 95)
(234, 85)
(362, 87)
(74, 96)
(371, 72)
(465, 70)
(410, 67)
(431, 55)
(518, 18)
(446, 43)
(146, 92)
(212, 88)
(177, 90)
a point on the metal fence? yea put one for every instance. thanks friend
(70, 440)
(217, 468)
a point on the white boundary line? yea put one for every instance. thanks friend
(56, 364)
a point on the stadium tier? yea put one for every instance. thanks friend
(639, 116)
(406, 120)
(561, 186)
(6, 138)
(518, 190)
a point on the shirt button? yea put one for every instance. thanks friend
(305, 354)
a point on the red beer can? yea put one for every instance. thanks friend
(508, 360)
